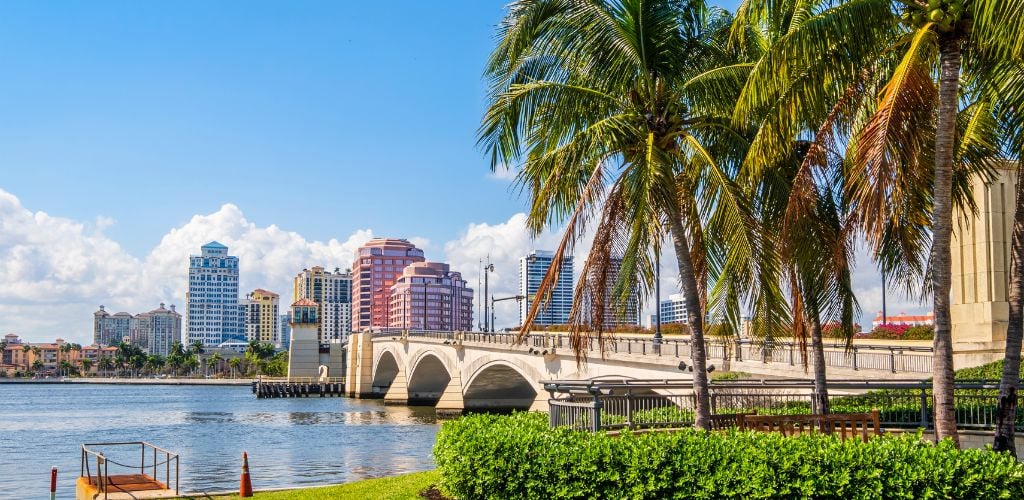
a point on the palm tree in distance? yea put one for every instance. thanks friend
(592, 100)
(86, 364)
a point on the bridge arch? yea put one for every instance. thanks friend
(501, 384)
(428, 378)
(385, 370)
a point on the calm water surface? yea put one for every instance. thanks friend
(291, 442)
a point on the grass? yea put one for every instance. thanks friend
(405, 486)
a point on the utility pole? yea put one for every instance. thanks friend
(884, 319)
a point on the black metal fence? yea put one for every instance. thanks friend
(615, 404)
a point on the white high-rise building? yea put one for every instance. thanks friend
(673, 310)
(213, 313)
(532, 269)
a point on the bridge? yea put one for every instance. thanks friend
(458, 371)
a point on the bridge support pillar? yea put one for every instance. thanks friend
(359, 380)
(398, 393)
(451, 402)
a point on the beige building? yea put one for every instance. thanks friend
(262, 321)
(332, 291)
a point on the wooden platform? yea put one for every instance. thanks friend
(124, 486)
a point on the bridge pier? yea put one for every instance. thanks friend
(398, 393)
(359, 383)
(451, 402)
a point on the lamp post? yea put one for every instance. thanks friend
(489, 268)
(657, 301)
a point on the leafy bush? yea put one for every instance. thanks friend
(891, 331)
(517, 456)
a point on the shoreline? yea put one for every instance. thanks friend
(130, 381)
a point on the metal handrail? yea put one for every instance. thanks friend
(103, 465)
(581, 403)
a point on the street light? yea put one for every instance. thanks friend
(657, 301)
(489, 268)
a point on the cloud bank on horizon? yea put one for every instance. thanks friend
(56, 271)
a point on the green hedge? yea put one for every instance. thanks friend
(517, 456)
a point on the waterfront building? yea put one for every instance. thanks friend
(378, 264)
(430, 296)
(22, 356)
(532, 269)
(111, 329)
(262, 321)
(156, 331)
(286, 329)
(332, 291)
(905, 319)
(213, 313)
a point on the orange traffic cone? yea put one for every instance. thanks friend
(245, 485)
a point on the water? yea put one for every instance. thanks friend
(290, 442)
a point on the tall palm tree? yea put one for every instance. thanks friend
(215, 360)
(234, 364)
(912, 136)
(804, 84)
(590, 98)
(26, 349)
(105, 364)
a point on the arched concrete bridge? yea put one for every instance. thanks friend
(458, 371)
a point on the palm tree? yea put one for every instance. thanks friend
(215, 360)
(26, 349)
(105, 364)
(911, 138)
(592, 100)
(37, 365)
(86, 365)
(1008, 90)
(234, 364)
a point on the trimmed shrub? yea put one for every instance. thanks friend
(517, 456)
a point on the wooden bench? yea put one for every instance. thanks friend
(845, 425)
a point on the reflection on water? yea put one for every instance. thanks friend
(290, 442)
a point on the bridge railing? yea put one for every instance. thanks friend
(608, 405)
(895, 359)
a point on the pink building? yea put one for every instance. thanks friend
(378, 264)
(428, 295)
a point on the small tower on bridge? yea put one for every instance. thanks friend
(304, 349)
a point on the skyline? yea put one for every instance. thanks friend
(132, 134)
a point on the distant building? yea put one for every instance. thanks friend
(51, 355)
(629, 315)
(673, 310)
(905, 319)
(214, 315)
(111, 329)
(333, 294)
(429, 295)
(262, 321)
(378, 264)
(154, 332)
(532, 269)
(286, 329)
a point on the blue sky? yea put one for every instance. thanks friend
(320, 116)
(132, 132)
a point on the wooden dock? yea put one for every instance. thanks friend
(298, 387)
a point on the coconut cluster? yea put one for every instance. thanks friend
(945, 14)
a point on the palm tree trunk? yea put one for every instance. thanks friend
(702, 412)
(1006, 414)
(820, 381)
(942, 226)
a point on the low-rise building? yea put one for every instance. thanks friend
(905, 319)
(22, 356)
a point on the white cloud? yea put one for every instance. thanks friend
(504, 173)
(57, 271)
